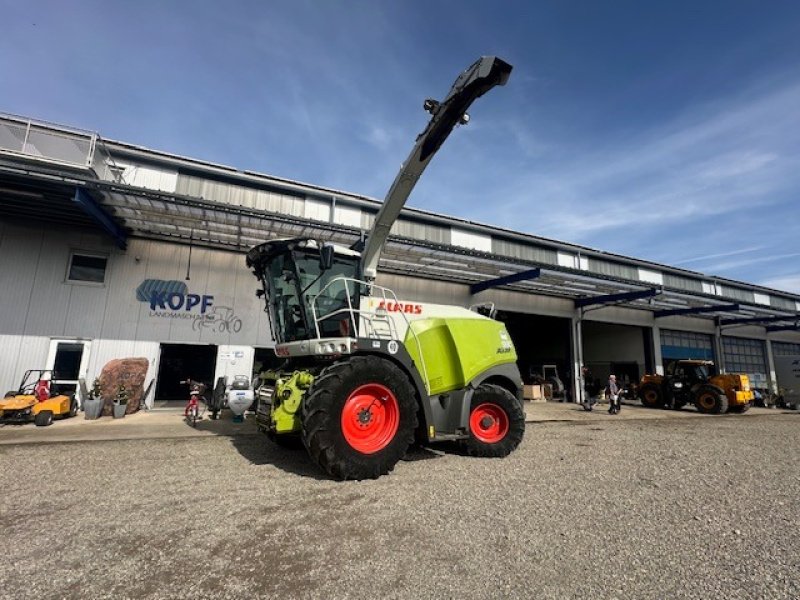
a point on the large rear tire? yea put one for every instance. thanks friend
(359, 417)
(496, 423)
(651, 396)
(44, 418)
(711, 400)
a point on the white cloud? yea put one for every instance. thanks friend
(737, 264)
(789, 283)
(707, 257)
(717, 160)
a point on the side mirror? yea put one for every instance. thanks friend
(325, 257)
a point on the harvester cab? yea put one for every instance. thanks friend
(366, 373)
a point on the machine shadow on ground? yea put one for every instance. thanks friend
(258, 449)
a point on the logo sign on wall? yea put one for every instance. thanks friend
(171, 299)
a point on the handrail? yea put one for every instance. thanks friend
(367, 316)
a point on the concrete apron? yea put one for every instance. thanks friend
(155, 424)
(539, 412)
(170, 423)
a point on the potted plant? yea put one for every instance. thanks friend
(120, 402)
(93, 405)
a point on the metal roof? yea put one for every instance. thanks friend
(46, 191)
(174, 218)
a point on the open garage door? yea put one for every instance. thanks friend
(543, 348)
(624, 350)
(184, 361)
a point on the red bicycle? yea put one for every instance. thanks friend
(193, 412)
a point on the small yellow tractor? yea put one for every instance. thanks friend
(689, 382)
(37, 399)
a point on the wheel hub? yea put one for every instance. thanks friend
(364, 416)
(489, 423)
(370, 418)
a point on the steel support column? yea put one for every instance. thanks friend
(773, 377)
(718, 349)
(658, 359)
(576, 333)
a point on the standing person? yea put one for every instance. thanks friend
(613, 395)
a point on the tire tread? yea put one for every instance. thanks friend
(321, 414)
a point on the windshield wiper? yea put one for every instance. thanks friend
(318, 277)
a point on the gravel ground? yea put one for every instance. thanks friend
(679, 508)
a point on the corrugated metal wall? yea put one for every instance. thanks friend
(17, 354)
(683, 283)
(239, 195)
(613, 269)
(525, 252)
(37, 303)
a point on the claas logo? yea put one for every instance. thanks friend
(408, 308)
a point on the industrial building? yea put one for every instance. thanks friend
(109, 250)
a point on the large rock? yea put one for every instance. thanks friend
(130, 372)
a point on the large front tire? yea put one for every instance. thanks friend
(359, 418)
(496, 423)
(711, 400)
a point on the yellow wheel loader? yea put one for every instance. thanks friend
(37, 399)
(689, 382)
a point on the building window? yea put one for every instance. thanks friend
(746, 356)
(676, 345)
(785, 348)
(87, 268)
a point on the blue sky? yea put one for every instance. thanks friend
(668, 131)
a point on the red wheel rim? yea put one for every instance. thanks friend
(370, 418)
(488, 423)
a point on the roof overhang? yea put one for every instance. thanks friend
(167, 216)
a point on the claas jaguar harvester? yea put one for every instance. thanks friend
(367, 374)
